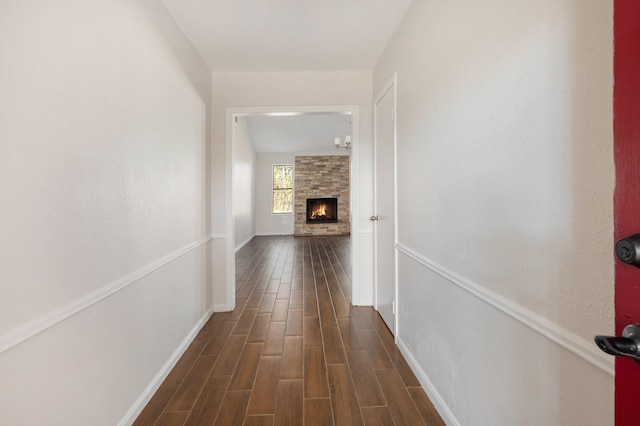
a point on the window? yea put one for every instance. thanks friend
(282, 189)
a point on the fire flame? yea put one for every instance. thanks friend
(319, 212)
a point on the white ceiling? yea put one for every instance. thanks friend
(289, 35)
(309, 132)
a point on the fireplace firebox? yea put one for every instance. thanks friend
(322, 210)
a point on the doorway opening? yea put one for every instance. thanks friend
(238, 213)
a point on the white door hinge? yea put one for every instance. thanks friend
(393, 307)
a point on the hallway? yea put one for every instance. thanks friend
(293, 352)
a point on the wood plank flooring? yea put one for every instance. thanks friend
(294, 351)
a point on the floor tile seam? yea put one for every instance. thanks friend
(312, 264)
(164, 405)
(306, 266)
(431, 409)
(195, 401)
(255, 379)
(280, 380)
(395, 367)
(332, 246)
(403, 385)
(333, 308)
(321, 324)
(255, 274)
(212, 365)
(385, 352)
(290, 380)
(246, 271)
(220, 356)
(384, 394)
(262, 300)
(339, 287)
(257, 366)
(342, 272)
(274, 256)
(354, 393)
(221, 403)
(261, 297)
(415, 405)
(256, 264)
(353, 383)
(319, 399)
(241, 289)
(195, 359)
(251, 281)
(249, 269)
(324, 354)
(345, 268)
(176, 411)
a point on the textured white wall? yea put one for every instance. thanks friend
(505, 175)
(302, 89)
(104, 124)
(268, 223)
(244, 178)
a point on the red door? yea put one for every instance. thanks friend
(626, 129)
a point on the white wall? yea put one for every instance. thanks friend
(104, 123)
(244, 177)
(268, 223)
(505, 175)
(290, 89)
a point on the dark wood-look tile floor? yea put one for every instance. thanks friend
(294, 351)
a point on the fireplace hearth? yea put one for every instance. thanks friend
(322, 210)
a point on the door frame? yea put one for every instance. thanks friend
(626, 64)
(231, 113)
(391, 85)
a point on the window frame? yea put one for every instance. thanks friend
(274, 189)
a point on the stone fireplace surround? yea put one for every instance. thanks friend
(322, 176)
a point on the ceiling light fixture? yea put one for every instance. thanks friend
(347, 143)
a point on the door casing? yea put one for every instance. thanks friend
(626, 135)
(388, 89)
(230, 243)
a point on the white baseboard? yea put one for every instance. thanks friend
(362, 302)
(155, 383)
(245, 242)
(438, 402)
(222, 308)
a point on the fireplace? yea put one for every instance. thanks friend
(322, 210)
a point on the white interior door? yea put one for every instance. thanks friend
(385, 216)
